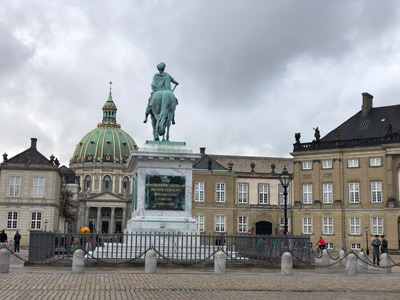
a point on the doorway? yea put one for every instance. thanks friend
(263, 227)
(104, 226)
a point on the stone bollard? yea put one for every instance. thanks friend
(351, 265)
(362, 261)
(287, 264)
(219, 263)
(4, 261)
(342, 262)
(385, 261)
(150, 264)
(78, 262)
(326, 260)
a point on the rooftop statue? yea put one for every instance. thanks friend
(162, 103)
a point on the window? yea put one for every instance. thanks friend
(376, 192)
(36, 220)
(282, 197)
(329, 246)
(377, 226)
(327, 225)
(263, 193)
(125, 185)
(354, 192)
(107, 183)
(375, 162)
(38, 187)
(199, 191)
(220, 223)
(242, 224)
(200, 222)
(220, 192)
(15, 186)
(12, 220)
(282, 223)
(355, 228)
(243, 192)
(307, 165)
(353, 163)
(307, 193)
(327, 193)
(355, 246)
(307, 225)
(327, 164)
(88, 183)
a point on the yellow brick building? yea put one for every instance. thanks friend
(346, 185)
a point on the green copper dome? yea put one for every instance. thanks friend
(107, 142)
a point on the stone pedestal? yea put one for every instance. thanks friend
(287, 264)
(162, 188)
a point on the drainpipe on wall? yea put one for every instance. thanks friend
(343, 206)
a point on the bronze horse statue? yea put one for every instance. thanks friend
(163, 104)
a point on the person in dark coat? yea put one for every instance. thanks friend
(375, 252)
(3, 237)
(17, 239)
(384, 245)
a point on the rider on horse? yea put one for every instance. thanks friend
(161, 82)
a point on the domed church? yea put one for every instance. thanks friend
(99, 161)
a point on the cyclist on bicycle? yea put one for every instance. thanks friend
(321, 243)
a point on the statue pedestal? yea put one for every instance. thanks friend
(162, 188)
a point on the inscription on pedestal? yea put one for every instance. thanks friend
(164, 192)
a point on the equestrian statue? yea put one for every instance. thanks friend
(162, 103)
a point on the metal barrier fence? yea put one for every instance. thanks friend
(189, 248)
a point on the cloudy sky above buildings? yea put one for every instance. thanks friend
(251, 73)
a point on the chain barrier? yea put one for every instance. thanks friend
(117, 261)
(313, 252)
(368, 262)
(185, 263)
(331, 255)
(249, 260)
(319, 266)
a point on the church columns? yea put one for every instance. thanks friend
(86, 224)
(98, 226)
(111, 229)
(113, 183)
(123, 218)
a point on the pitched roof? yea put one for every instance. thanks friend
(31, 156)
(203, 163)
(373, 125)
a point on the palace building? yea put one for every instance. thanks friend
(347, 184)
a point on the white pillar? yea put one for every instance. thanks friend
(113, 183)
(123, 218)
(4, 261)
(287, 264)
(219, 263)
(86, 216)
(112, 225)
(78, 262)
(98, 221)
(150, 264)
(385, 261)
(351, 265)
(362, 261)
(325, 258)
(342, 259)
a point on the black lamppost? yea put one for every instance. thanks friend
(285, 178)
(366, 235)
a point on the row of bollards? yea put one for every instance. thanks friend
(351, 262)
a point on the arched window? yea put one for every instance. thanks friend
(87, 183)
(125, 185)
(107, 183)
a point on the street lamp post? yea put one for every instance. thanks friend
(366, 235)
(285, 178)
(45, 225)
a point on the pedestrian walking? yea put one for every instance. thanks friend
(375, 251)
(384, 244)
(3, 237)
(17, 239)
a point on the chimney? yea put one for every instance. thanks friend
(367, 104)
(33, 143)
(202, 151)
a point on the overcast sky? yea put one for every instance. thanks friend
(251, 73)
